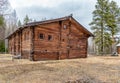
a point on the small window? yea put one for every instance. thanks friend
(49, 37)
(65, 26)
(41, 36)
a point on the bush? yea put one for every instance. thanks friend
(2, 46)
(1, 20)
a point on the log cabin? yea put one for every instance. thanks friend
(55, 39)
(118, 48)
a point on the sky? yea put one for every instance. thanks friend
(39, 9)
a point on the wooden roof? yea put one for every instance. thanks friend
(54, 20)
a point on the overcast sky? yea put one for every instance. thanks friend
(38, 9)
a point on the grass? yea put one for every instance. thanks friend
(88, 70)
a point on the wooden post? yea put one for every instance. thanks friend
(14, 44)
(32, 44)
(21, 43)
(18, 42)
(60, 38)
(68, 36)
(8, 46)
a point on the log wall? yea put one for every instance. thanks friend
(118, 49)
(44, 48)
(66, 42)
(26, 42)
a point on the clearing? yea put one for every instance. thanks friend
(94, 69)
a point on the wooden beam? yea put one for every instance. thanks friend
(48, 29)
(60, 38)
(68, 37)
(32, 44)
(21, 42)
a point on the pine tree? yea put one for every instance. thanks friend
(27, 19)
(104, 24)
(19, 23)
(5, 22)
(2, 46)
(98, 24)
(113, 19)
(1, 20)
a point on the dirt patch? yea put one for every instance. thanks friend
(89, 70)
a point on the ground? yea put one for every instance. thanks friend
(94, 69)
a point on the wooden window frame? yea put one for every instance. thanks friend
(50, 37)
(41, 36)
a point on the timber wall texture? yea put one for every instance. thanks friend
(118, 49)
(26, 42)
(44, 48)
(66, 42)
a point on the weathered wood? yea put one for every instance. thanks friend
(61, 39)
(118, 49)
(20, 42)
(32, 44)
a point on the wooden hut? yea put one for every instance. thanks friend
(118, 48)
(61, 38)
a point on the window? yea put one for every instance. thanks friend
(49, 37)
(41, 36)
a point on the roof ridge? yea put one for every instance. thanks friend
(69, 17)
(50, 19)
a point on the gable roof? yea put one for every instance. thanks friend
(53, 20)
